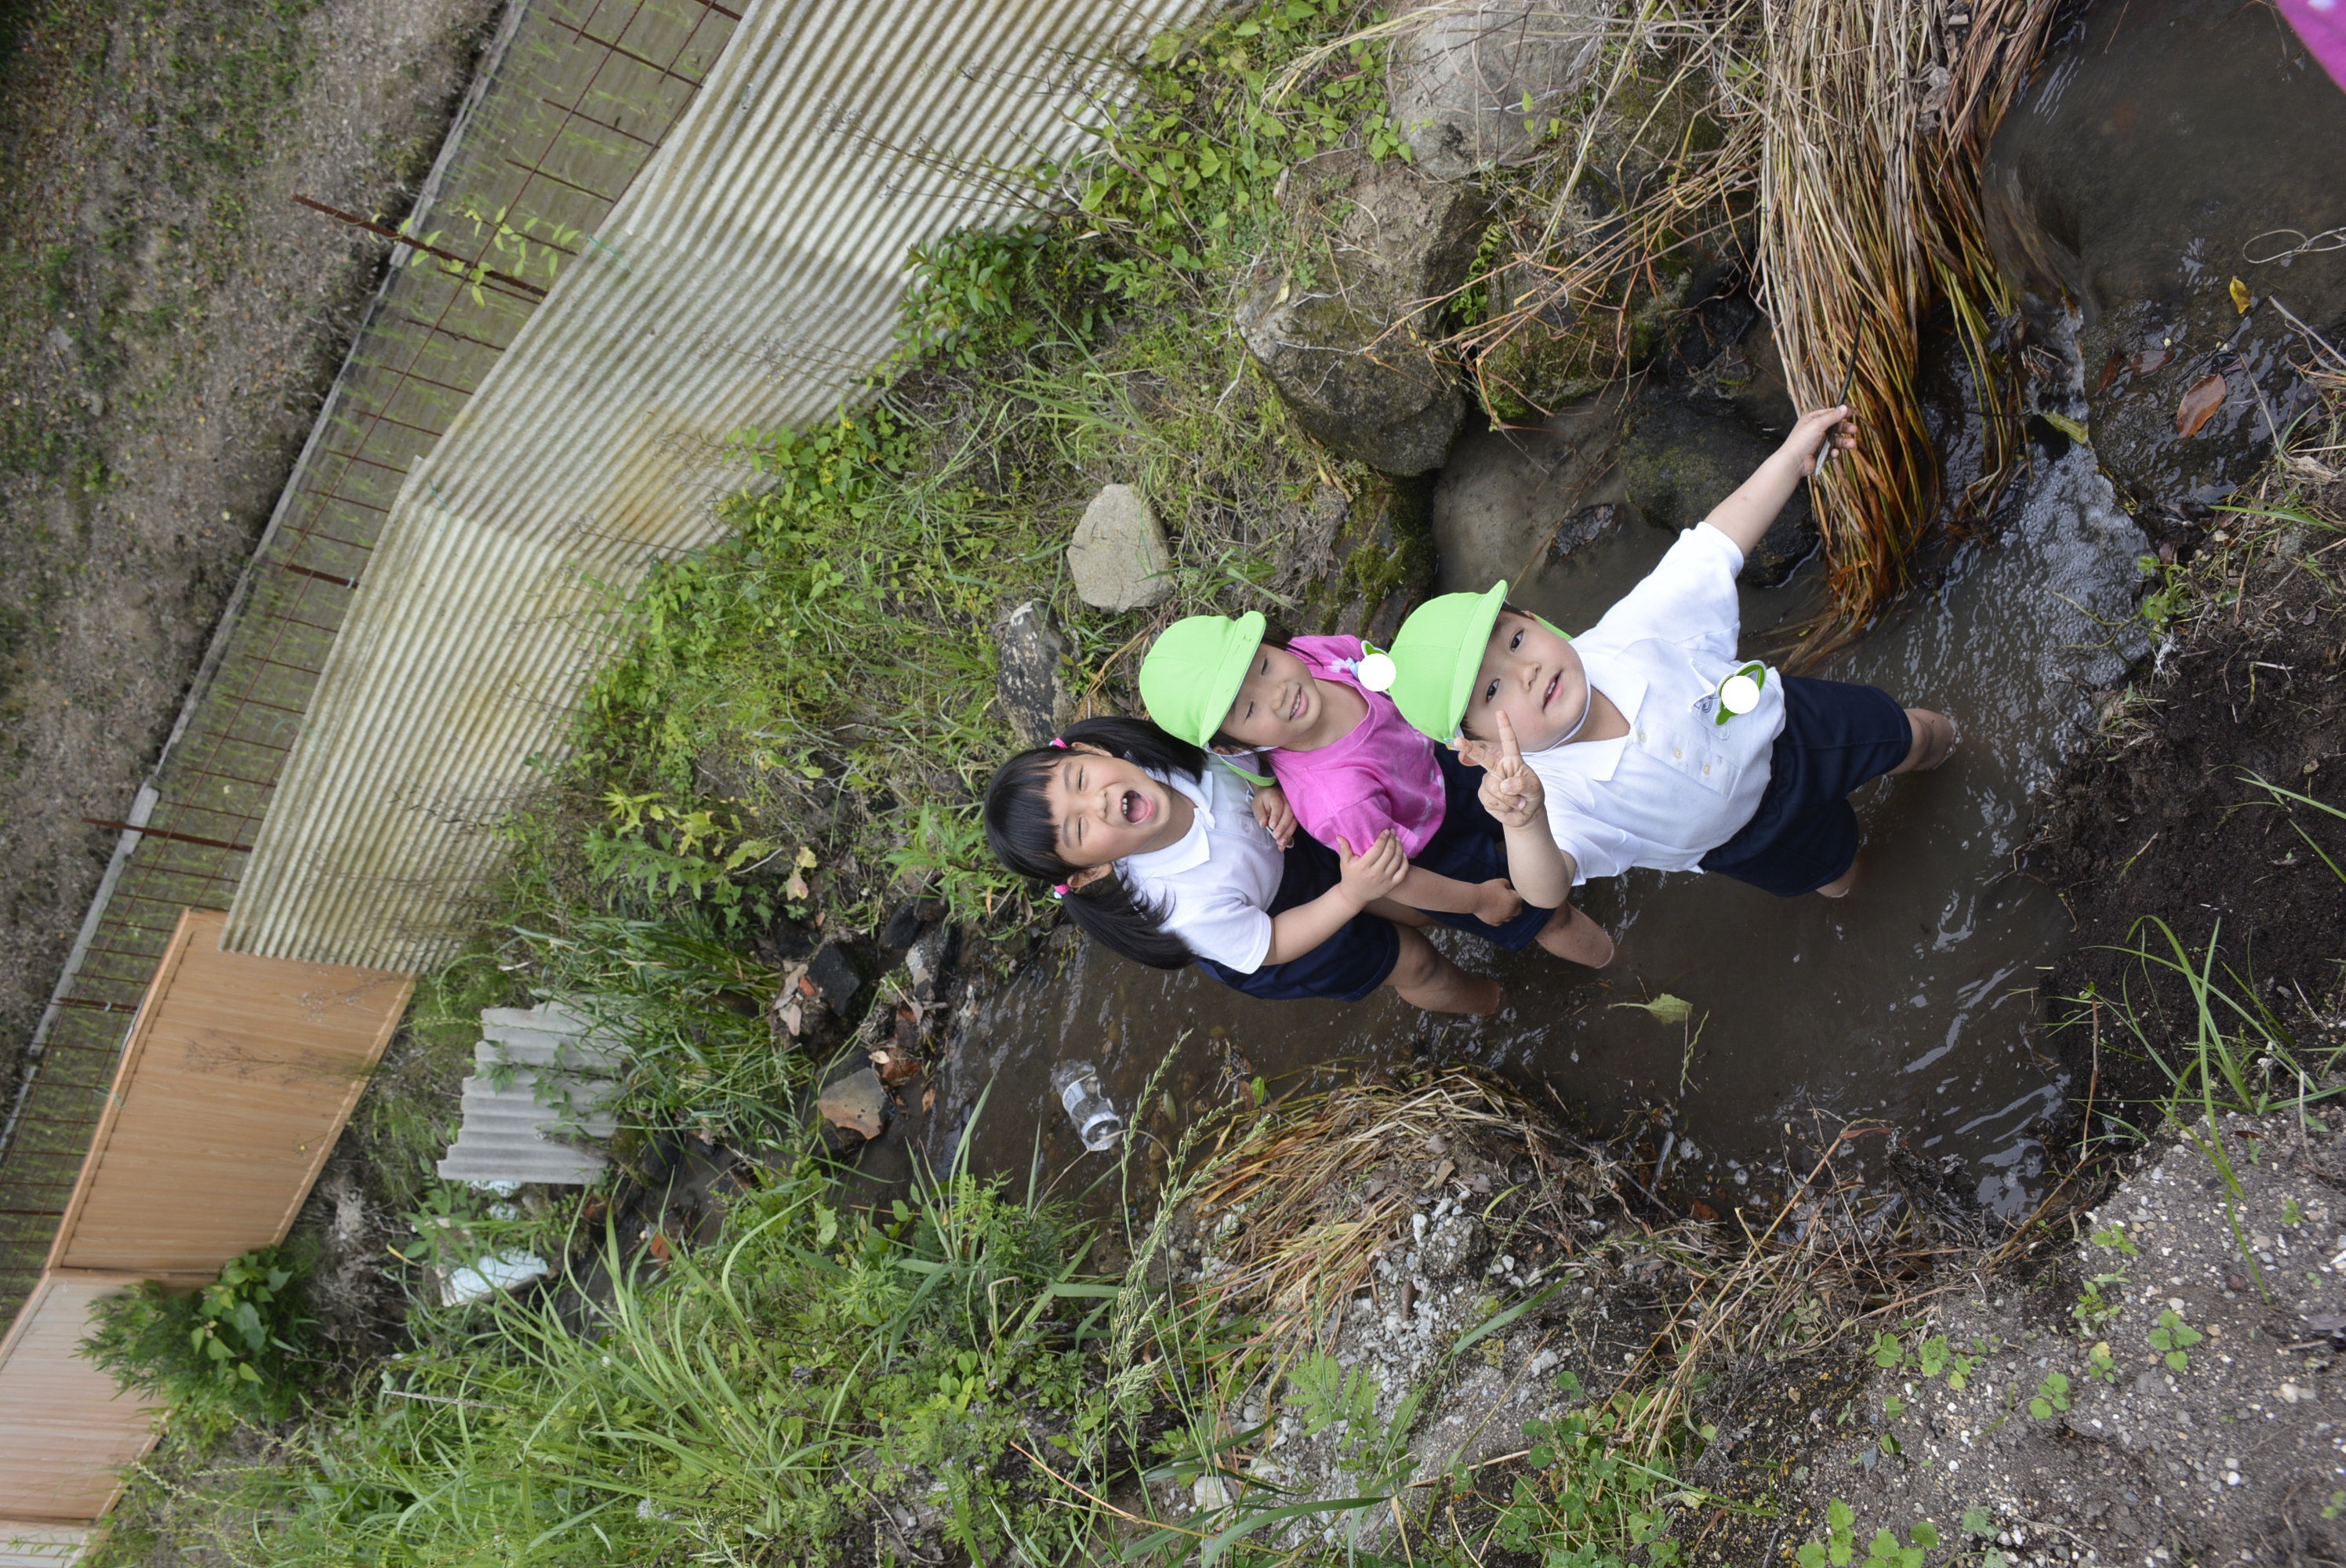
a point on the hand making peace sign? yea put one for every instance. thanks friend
(1511, 791)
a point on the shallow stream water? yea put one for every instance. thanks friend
(1912, 1001)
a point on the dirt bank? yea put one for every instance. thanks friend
(169, 324)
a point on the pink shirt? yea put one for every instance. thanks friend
(1382, 775)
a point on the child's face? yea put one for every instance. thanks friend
(1530, 674)
(1277, 704)
(1103, 809)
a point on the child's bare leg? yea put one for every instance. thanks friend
(1574, 937)
(1425, 979)
(1934, 738)
(1839, 885)
(1399, 914)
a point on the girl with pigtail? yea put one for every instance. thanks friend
(1168, 856)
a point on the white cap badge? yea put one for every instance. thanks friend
(1377, 671)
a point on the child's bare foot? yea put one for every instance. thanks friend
(1576, 939)
(1427, 980)
(1935, 741)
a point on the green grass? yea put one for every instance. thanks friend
(822, 680)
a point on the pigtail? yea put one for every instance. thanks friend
(1018, 829)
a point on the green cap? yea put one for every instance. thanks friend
(1193, 673)
(1437, 654)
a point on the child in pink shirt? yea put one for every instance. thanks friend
(1350, 768)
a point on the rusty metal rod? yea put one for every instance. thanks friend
(166, 833)
(388, 232)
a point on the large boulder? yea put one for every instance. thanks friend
(1476, 84)
(2158, 154)
(1514, 496)
(1343, 324)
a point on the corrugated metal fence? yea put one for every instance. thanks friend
(572, 101)
(748, 279)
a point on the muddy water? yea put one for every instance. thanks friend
(1912, 1001)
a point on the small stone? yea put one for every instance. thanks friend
(834, 975)
(1119, 556)
(1030, 674)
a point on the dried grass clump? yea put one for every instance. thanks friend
(1831, 148)
(1877, 117)
(1306, 1201)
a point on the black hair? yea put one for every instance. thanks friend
(1273, 636)
(1018, 829)
(1464, 733)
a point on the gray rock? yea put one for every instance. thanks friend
(1467, 84)
(1455, 1247)
(1512, 497)
(1343, 331)
(1030, 674)
(1678, 460)
(1118, 556)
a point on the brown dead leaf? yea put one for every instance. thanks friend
(2200, 404)
(2110, 369)
(929, 1098)
(896, 1068)
(2149, 361)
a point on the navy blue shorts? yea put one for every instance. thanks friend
(1346, 967)
(1471, 847)
(1836, 736)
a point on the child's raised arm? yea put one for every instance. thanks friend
(1745, 515)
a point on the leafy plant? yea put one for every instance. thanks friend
(2174, 1337)
(231, 1351)
(1839, 1548)
(2052, 1395)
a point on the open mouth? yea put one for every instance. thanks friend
(1136, 808)
(1548, 696)
(1295, 706)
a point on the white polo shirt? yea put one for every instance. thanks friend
(1217, 881)
(1679, 784)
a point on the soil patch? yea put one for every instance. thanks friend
(2165, 819)
(169, 322)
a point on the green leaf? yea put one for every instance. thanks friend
(1925, 1534)
(2068, 427)
(1812, 1555)
(1977, 1522)
(1665, 1009)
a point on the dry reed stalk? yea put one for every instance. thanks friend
(1871, 217)
(1859, 128)
(1310, 1229)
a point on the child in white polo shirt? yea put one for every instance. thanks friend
(1658, 745)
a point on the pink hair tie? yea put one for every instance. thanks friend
(1059, 742)
(1058, 890)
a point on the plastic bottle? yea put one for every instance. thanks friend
(1089, 1107)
